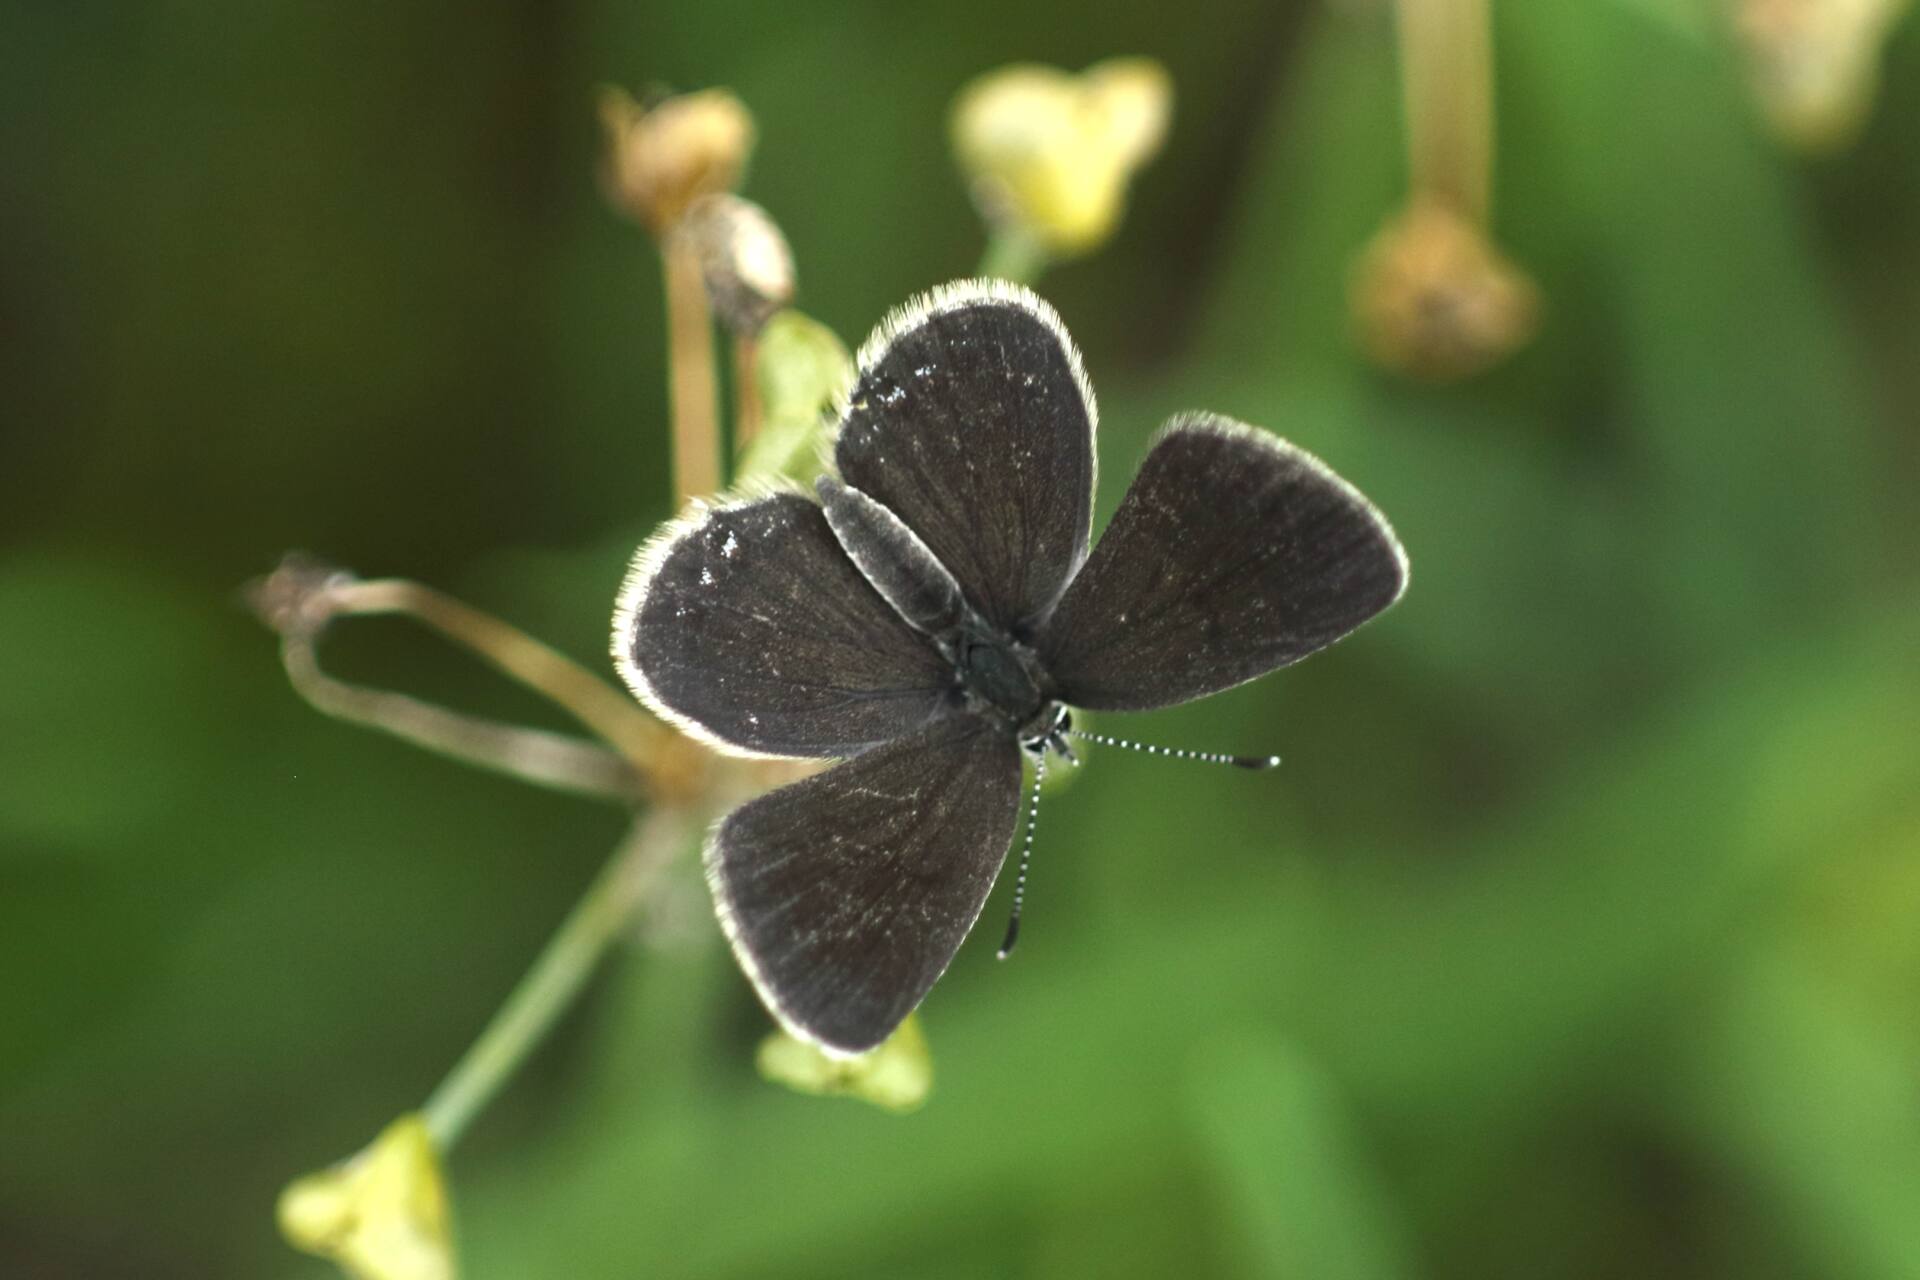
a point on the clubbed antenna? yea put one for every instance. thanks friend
(1209, 757)
(1026, 856)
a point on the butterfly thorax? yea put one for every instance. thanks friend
(1000, 678)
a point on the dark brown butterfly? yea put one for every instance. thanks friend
(937, 610)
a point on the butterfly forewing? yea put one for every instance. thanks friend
(1232, 554)
(748, 626)
(972, 421)
(846, 895)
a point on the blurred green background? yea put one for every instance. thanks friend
(1577, 937)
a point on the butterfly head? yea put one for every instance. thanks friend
(1047, 731)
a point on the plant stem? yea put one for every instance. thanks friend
(532, 755)
(302, 597)
(694, 396)
(593, 702)
(563, 967)
(1012, 255)
(746, 393)
(1446, 67)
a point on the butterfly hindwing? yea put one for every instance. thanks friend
(846, 895)
(747, 626)
(971, 421)
(1232, 554)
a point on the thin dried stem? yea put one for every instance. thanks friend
(301, 598)
(1446, 65)
(747, 410)
(694, 395)
(607, 711)
(534, 755)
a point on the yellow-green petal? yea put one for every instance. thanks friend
(380, 1215)
(1048, 154)
(897, 1076)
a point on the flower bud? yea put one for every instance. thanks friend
(1433, 298)
(744, 260)
(381, 1215)
(660, 159)
(897, 1076)
(293, 600)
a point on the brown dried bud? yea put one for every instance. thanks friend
(294, 599)
(744, 260)
(1434, 299)
(661, 159)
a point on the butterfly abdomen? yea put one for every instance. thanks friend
(995, 675)
(892, 558)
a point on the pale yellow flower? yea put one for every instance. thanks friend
(1048, 154)
(896, 1076)
(1814, 65)
(381, 1215)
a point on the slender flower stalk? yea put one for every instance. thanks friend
(661, 163)
(694, 392)
(1012, 254)
(563, 967)
(748, 410)
(533, 755)
(302, 597)
(1432, 296)
(1446, 71)
(592, 701)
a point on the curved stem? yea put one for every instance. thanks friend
(695, 395)
(303, 596)
(607, 711)
(532, 755)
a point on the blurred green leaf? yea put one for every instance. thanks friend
(802, 367)
(1294, 1164)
